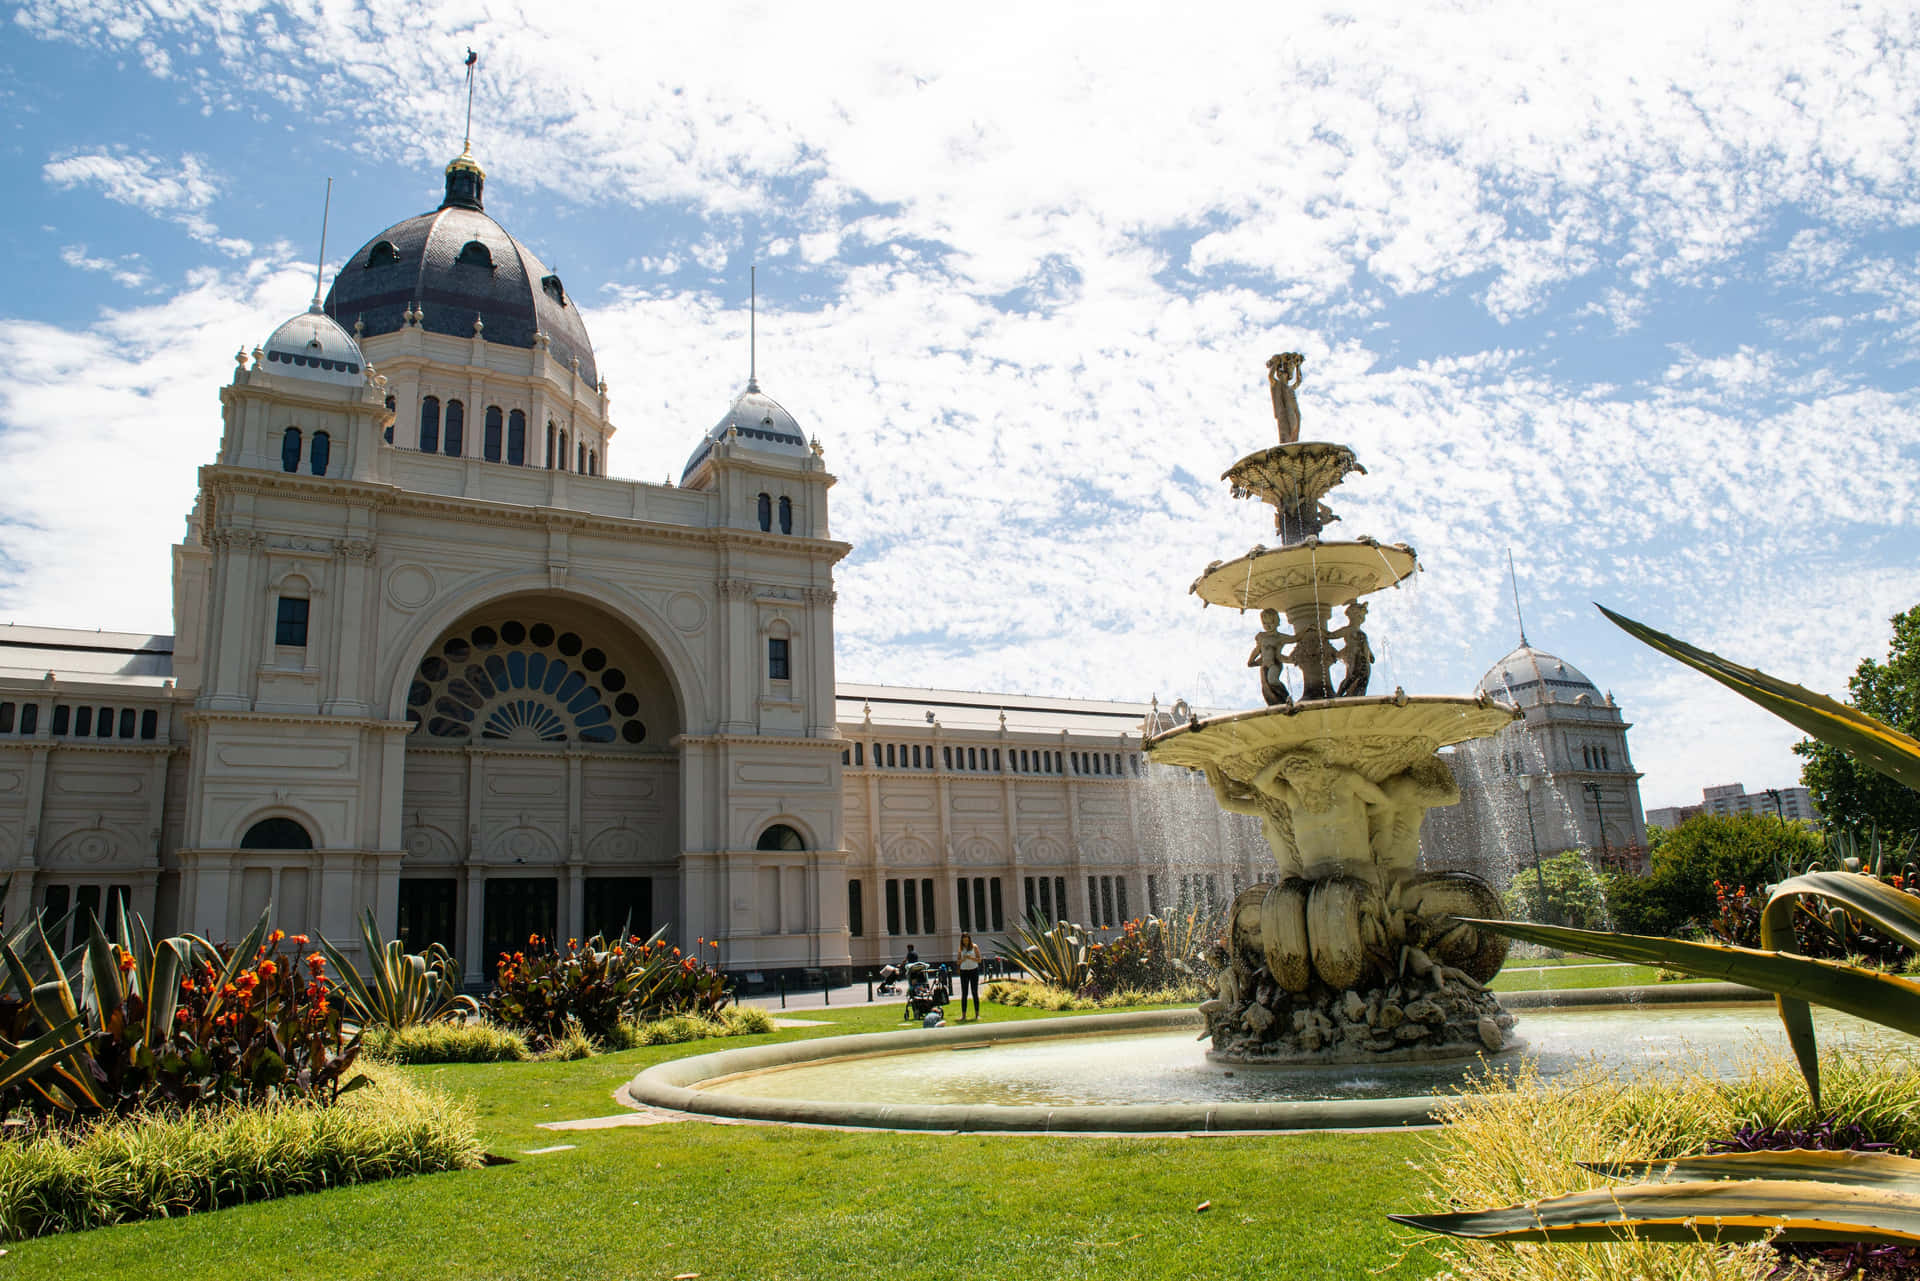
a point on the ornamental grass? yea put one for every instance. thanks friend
(167, 1164)
(479, 1041)
(1044, 996)
(1507, 1143)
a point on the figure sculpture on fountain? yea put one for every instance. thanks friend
(1354, 952)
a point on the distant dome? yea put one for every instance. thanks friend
(312, 346)
(1528, 676)
(457, 264)
(762, 423)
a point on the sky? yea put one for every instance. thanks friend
(1631, 291)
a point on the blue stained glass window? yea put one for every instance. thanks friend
(556, 672)
(517, 670)
(570, 686)
(536, 670)
(497, 670)
(584, 699)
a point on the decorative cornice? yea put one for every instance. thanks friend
(117, 746)
(210, 715)
(757, 740)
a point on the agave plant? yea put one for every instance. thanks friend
(1791, 1196)
(401, 988)
(1053, 954)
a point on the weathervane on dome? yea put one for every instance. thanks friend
(320, 267)
(473, 63)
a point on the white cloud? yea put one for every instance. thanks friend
(124, 270)
(179, 192)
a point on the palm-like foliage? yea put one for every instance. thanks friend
(1054, 954)
(400, 988)
(1789, 1196)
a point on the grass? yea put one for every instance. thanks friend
(176, 1165)
(1505, 1145)
(768, 1202)
(1524, 977)
(447, 1042)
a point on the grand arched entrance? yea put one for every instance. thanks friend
(541, 795)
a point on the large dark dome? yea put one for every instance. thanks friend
(455, 264)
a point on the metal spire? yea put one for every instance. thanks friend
(466, 142)
(1518, 616)
(319, 268)
(753, 312)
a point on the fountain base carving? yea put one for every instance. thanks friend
(1417, 1018)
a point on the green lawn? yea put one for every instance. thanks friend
(1524, 977)
(729, 1201)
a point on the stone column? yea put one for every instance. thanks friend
(472, 962)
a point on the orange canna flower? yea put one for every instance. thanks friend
(298, 940)
(275, 937)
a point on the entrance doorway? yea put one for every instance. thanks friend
(427, 913)
(615, 903)
(517, 908)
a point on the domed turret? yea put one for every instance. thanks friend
(456, 266)
(1528, 676)
(759, 422)
(312, 346)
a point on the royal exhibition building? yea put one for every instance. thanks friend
(429, 658)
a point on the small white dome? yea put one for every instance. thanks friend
(1528, 676)
(758, 422)
(313, 346)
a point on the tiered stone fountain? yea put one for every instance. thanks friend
(1351, 954)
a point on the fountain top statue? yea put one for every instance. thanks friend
(1353, 953)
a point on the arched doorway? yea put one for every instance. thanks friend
(541, 795)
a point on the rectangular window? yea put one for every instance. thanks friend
(996, 759)
(6, 718)
(1093, 901)
(913, 910)
(1120, 893)
(889, 757)
(999, 916)
(290, 626)
(960, 895)
(82, 722)
(946, 757)
(859, 755)
(926, 904)
(1060, 894)
(1106, 902)
(127, 721)
(29, 717)
(1046, 899)
(777, 658)
(856, 919)
(979, 904)
(1033, 903)
(916, 756)
(893, 907)
(149, 723)
(104, 726)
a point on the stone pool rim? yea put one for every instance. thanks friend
(670, 1085)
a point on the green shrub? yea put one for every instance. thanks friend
(170, 1164)
(600, 985)
(476, 1042)
(1576, 894)
(401, 988)
(1043, 996)
(572, 1043)
(1677, 893)
(1152, 953)
(744, 1020)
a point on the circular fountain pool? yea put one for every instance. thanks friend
(1144, 1072)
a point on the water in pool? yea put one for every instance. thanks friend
(1171, 1067)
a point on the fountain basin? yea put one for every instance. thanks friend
(1065, 1075)
(1306, 574)
(1378, 737)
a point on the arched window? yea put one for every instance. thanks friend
(593, 462)
(290, 449)
(560, 455)
(276, 834)
(475, 254)
(322, 449)
(382, 254)
(766, 511)
(490, 437)
(553, 434)
(430, 424)
(517, 438)
(786, 514)
(454, 440)
(780, 837)
(580, 463)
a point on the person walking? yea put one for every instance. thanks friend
(969, 975)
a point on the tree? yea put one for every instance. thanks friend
(1747, 851)
(1851, 797)
(1576, 894)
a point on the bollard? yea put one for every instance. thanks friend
(869, 985)
(826, 987)
(781, 978)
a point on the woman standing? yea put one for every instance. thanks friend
(969, 974)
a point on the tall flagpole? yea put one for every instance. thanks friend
(753, 315)
(466, 142)
(320, 267)
(1518, 616)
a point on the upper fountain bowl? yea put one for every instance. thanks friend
(1308, 573)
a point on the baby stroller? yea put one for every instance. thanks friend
(889, 980)
(926, 994)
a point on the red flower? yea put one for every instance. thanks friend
(268, 969)
(273, 939)
(316, 962)
(186, 985)
(299, 941)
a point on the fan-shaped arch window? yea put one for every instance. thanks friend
(383, 254)
(429, 424)
(475, 254)
(523, 683)
(454, 438)
(276, 834)
(786, 515)
(765, 512)
(490, 439)
(517, 438)
(780, 837)
(290, 449)
(322, 449)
